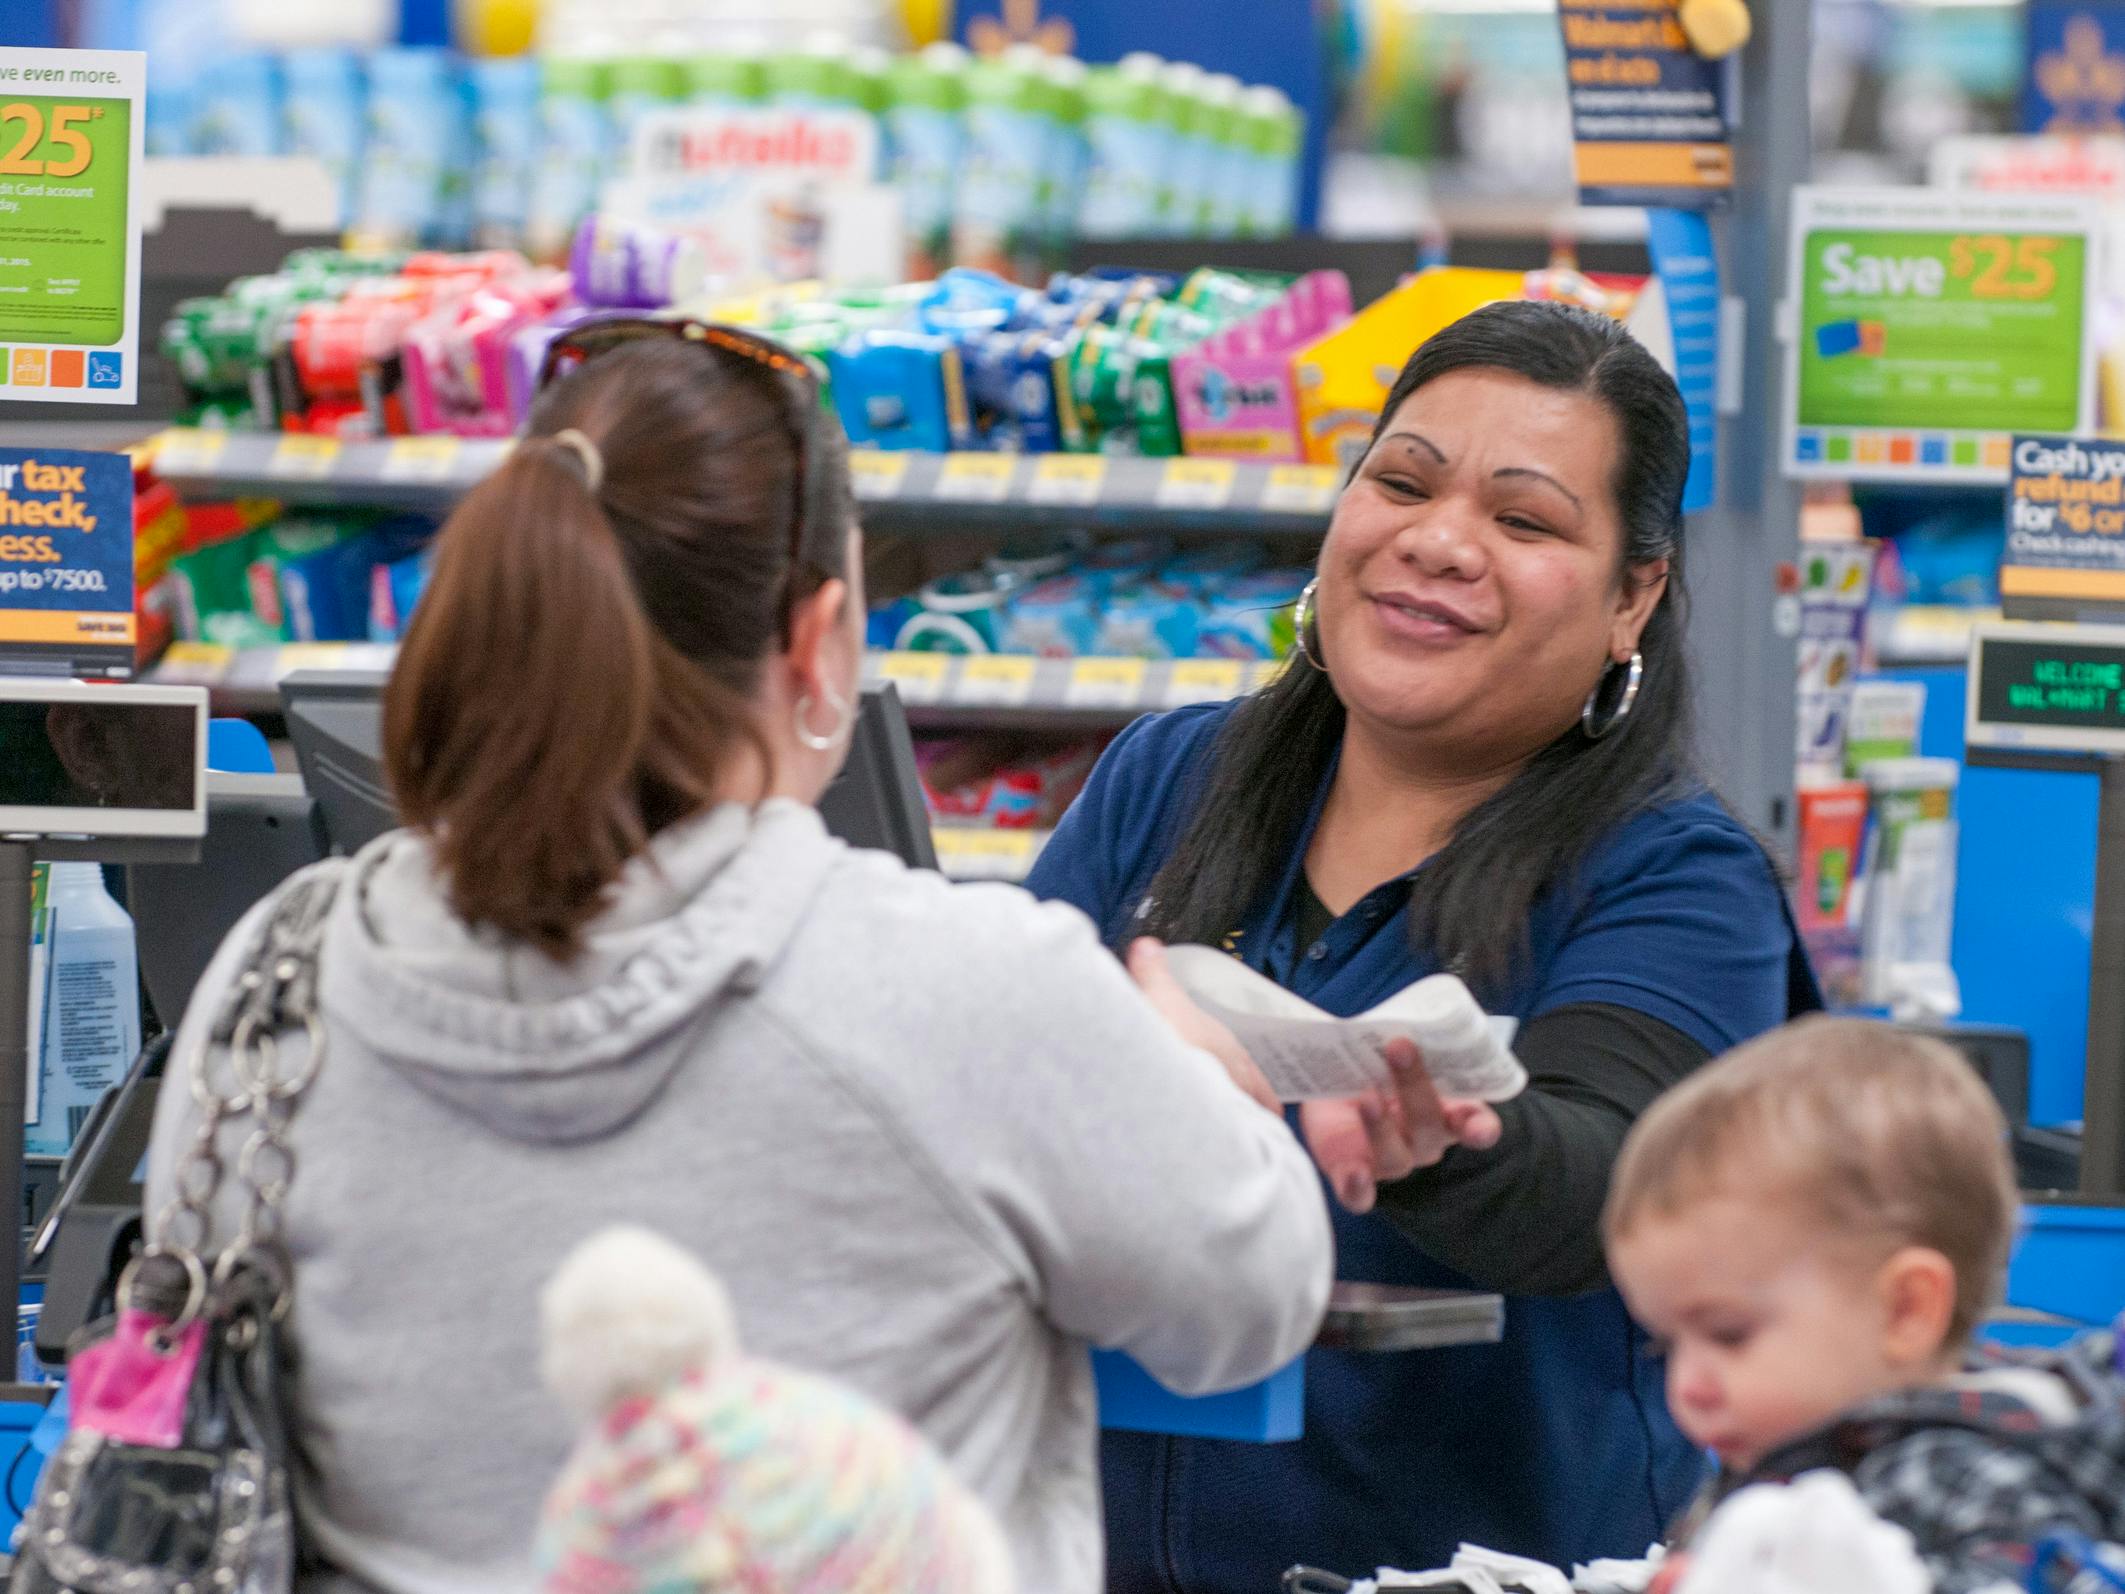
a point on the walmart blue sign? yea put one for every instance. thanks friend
(2076, 67)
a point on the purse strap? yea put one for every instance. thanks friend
(241, 1070)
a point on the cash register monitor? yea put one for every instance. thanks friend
(336, 721)
(260, 830)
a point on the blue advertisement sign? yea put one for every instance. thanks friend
(2076, 56)
(1680, 242)
(1651, 118)
(66, 562)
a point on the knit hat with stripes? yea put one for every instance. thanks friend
(704, 1470)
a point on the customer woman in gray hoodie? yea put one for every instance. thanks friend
(933, 1138)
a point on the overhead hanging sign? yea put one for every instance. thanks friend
(2076, 56)
(1927, 329)
(1652, 120)
(2064, 557)
(66, 563)
(70, 147)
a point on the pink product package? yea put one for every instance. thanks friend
(1236, 393)
(457, 360)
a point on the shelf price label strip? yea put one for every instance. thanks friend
(1004, 680)
(976, 478)
(972, 853)
(1076, 479)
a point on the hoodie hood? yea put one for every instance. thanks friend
(541, 1050)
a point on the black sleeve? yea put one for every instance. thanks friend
(1525, 1216)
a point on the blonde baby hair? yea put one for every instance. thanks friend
(1886, 1138)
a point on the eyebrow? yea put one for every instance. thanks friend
(1510, 471)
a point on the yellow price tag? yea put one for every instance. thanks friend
(1105, 683)
(1301, 489)
(996, 678)
(1067, 479)
(194, 663)
(970, 852)
(311, 458)
(1195, 484)
(183, 449)
(920, 676)
(1203, 681)
(421, 459)
(876, 473)
(309, 656)
(976, 478)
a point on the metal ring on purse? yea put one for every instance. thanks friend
(195, 1299)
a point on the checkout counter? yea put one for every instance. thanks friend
(260, 829)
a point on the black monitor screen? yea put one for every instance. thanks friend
(336, 722)
(75, 754)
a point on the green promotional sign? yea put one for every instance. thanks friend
(1942, 329)
(63, 177)
(70, 139)
(1932, 328)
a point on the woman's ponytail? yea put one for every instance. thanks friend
(523, 692)
(579, 673)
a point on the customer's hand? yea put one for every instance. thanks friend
(1154, 977)
(1372, 1140)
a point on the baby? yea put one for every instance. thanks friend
(1812, 1228)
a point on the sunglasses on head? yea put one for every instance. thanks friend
(580, 345)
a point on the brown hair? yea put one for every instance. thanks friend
(1887, 1138)
(579, 670)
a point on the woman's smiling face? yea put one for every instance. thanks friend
(1471, 588)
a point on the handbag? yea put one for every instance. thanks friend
(175, 1477)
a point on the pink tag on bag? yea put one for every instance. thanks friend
(126, 1388)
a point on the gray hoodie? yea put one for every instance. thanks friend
(930, 1136)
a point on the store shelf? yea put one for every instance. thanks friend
(899, 491)
(1926, 633)
(1012, 691)
(997, 689)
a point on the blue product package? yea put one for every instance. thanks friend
(882, 630)
(1148, 620)
(323, 116)
(1018, 388)
(1209, 568)
(1116, 564)
(1250, 617)
(236, 110)
(414, 155)
(900, 390)
(1055, 619)
(505, 137)
(964, 303)
(394, 590)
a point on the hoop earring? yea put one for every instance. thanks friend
(1302, 616)
(845, 717)
(1592, 730)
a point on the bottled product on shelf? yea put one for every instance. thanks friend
(87, 1004)
(1002, 159)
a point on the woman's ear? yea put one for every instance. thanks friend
(1642, 588)
(815, 620)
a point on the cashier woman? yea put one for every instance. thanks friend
(1479, 761)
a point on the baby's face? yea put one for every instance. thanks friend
(1768, 1333)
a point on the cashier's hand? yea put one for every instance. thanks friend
(1374, 1140)
(1148, 967)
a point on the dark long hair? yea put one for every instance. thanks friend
(578, 675)
(1472, 905)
